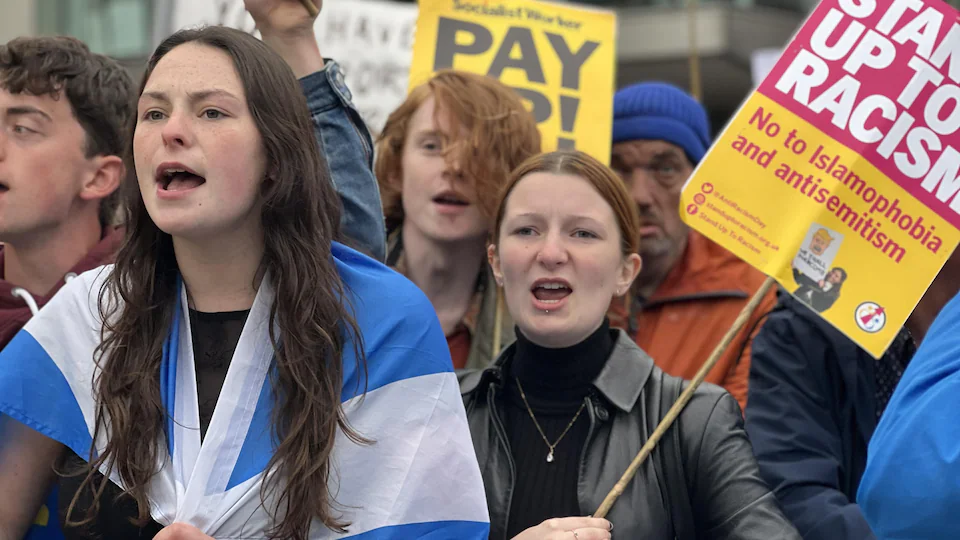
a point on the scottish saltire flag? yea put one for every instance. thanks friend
(419, 479)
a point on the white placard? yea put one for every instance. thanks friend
(818, 251)
(372, 40)
(761, 62)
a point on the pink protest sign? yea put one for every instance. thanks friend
(881, 78)
(840, 176)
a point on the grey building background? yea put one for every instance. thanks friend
(653, 38)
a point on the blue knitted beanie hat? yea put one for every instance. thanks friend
(660, 111)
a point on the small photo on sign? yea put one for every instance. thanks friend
(818, 281)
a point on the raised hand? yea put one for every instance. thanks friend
(282, 16)
(287, 27)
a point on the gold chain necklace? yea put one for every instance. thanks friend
(534, 418)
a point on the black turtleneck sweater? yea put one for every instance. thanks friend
(556, 383)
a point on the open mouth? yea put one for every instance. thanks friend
(178, 178)
(451, 198)
(3, 188)
(551, 291)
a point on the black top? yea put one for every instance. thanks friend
(556, 383)
(215, 336)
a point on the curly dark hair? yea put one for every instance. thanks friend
(99, 90)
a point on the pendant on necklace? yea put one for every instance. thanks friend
(550, 457)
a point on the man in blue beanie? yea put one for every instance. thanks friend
(690, 289)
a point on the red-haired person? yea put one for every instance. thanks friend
(442, 158)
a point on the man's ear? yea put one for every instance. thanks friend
(106, 173)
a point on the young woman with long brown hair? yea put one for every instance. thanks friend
(234, 374)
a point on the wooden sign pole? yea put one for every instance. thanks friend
(311, 7)
(684, 398)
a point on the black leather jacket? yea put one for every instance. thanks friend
(724, 495)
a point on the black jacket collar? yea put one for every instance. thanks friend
(620, 382)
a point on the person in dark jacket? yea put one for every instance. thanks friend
(815, 398)
(563, 411)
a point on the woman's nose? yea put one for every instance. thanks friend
(552, 251)
(176, 131)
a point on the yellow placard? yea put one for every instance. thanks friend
(801, 215)
(560, 58)
(840, 175)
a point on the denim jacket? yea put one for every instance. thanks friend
(347, 147)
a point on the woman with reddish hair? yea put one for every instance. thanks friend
(562, 413)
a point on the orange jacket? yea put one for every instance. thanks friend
(688, 315)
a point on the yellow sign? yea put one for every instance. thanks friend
(560, 59)
(840, 176)
(830, 227)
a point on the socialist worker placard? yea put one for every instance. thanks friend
(560, 58)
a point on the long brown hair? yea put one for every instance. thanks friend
(500, 134)
(301, 216)
(598, 175)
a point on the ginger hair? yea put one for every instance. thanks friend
(581, 165)
(493, 134)
(822, 234)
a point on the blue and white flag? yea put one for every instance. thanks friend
(419, 479)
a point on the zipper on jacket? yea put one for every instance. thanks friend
(502, 434)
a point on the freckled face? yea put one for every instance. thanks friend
(438, 202)
(198, 153)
